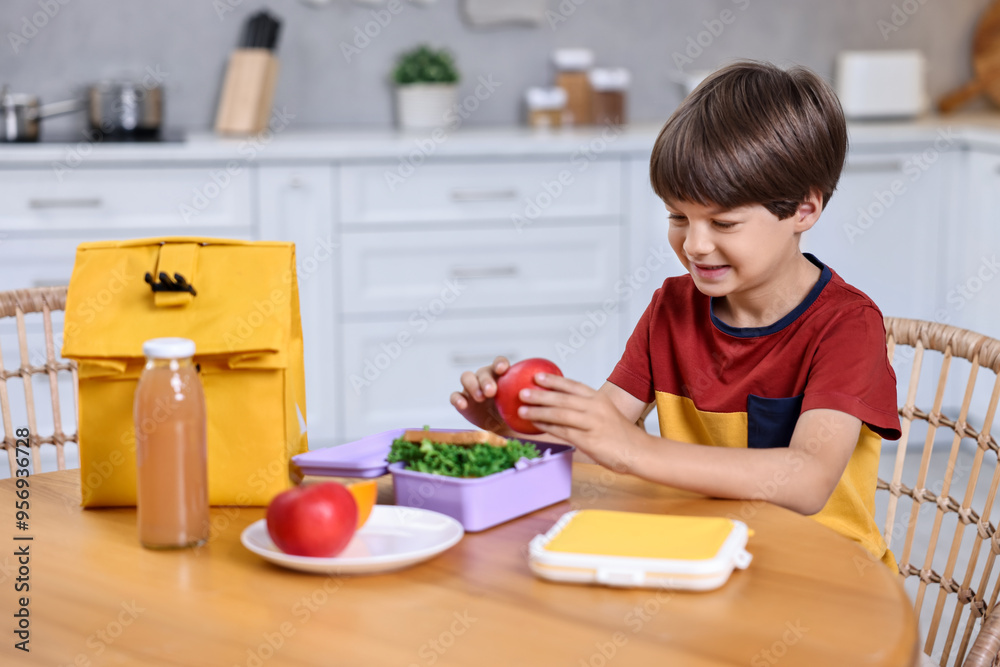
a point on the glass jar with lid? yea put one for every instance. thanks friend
(171, 447)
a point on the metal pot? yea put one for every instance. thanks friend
(19, 115)
(125, 108)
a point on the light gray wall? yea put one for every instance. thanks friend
(189, 42)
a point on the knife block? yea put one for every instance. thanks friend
(247, 92)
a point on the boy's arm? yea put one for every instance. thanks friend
(800, 477)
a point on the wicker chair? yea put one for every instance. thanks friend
(16, 304)
(967, 587)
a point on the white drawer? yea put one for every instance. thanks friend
(445, 270)
(35, 262)
(179, 200)
(462, 192)
(386, 384)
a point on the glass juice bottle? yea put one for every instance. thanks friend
(171, 451)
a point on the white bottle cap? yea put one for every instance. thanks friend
(610, 78)
(168, 348)
(545, 98)
(573, 59)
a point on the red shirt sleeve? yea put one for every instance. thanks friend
(634, 371)
(850, 372)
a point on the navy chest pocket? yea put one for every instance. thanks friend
(771, 421)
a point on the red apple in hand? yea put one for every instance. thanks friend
(509, 385)
(314, 520)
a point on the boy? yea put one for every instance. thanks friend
(761, 351)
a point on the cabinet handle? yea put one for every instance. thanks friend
(80, 202)
(50, 282)
(483, 359)
(472, 272)
(483, 195)
(865, 167)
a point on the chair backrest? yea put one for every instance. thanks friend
(960, 560)
(16, 304)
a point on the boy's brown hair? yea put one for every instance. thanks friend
(752, 133)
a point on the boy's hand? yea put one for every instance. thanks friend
(476, 401)
(584, 417)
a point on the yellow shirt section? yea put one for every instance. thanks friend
(850, 509)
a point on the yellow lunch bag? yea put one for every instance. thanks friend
(239, 302)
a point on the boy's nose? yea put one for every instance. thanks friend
(698, 241)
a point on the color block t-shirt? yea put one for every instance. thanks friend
(724, 386)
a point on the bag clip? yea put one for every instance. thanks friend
(178, 284)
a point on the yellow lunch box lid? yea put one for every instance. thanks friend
(633, 549)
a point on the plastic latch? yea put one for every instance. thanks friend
(743, 559)
(620, 577)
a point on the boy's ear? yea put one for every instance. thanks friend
(808, 211)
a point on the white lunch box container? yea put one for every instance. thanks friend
(684, 552)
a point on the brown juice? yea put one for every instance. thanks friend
(171, 455)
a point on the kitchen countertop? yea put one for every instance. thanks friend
(981, 131)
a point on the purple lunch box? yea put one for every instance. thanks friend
(477, 503)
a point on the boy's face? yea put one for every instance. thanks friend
(742, 251)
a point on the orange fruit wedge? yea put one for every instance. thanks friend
(364, 494)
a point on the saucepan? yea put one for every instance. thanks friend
(20, 115)
(125, 108)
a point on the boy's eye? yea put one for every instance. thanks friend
(676, 218)
(723, 225)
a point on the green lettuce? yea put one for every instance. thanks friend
(459, 460)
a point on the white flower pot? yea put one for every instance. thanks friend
(424, 105)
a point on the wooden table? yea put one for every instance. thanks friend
(810, 597)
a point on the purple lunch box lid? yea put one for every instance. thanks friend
(362, 458)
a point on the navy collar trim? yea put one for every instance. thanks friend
(752, 332)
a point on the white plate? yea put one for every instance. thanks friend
(393, 538)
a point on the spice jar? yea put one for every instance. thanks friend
(572, 66)
(546, 107)
(610, 87)
(171, 447)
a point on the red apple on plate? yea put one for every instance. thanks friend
(315, 520)
(509, 385)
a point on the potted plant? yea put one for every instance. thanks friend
(426, 87)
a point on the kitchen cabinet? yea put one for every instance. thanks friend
(463, 261)
(972, 282)
(883, 229)
(296, 204)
